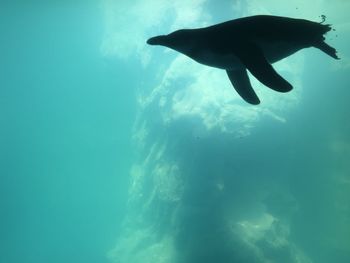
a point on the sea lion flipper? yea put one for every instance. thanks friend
(254, 60)
(331, 51)
(240, 81)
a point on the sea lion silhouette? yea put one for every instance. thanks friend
(249, 43)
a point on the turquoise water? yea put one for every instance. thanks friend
(115, 151)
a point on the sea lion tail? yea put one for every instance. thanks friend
(322, 29)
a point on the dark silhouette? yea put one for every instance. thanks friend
(251, 43)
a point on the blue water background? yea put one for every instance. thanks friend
(66, 116)
(91, 131)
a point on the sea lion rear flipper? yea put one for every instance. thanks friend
(240, 81)
(331, 51)
(253, 58)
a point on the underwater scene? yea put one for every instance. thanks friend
(115, 150)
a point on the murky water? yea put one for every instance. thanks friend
(116, 151)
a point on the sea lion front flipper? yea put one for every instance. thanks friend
(254, 60)
(240, 81)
